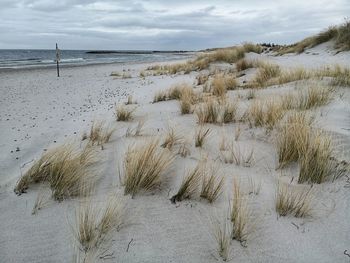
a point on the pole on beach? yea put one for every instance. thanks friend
(58, 60)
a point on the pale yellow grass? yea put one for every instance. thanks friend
(66, 169)
(294, 200)
(144, 166)
(240, 215)
(189, 186)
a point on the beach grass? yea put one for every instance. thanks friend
(144, 166)
(292, 200)
(240, 215)
(66, 169)
(201, 135)
(123, 113)
(95, 223)
(212, 183)
(189, 186)
(100, 133)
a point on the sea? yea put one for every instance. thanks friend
(34, 58)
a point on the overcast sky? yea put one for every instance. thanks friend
(162, 25)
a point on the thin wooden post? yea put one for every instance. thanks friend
(57, 60)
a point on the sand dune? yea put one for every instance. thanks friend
(40, 111)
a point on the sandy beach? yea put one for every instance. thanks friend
(40, 111)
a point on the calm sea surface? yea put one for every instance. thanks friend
(46, 58)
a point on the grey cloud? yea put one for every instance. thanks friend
(155, 24)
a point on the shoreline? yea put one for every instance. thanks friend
(186, 57)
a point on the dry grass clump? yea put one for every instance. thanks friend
(297, 47)
(253, 186)
(244, 64)
(202, 79)
(144, 165)
(309, 42)
(266, 72)
(222, 235)
(264, 113)
(189, 186)
(216, 111)
(137, 131)
(172, 138)
(208, 112)
(41, 200)
(313, 96)
(185, 105)
(200, 136)
(316, 160)
(212, 184)
(65, 168)
(293, 200)
(187, 98)
(143, 74)
(122, 113)
(290, 101)
(341, 35)
(94, 224)
(179, 67)
(317, 163)
(160, 96)
(184, 149)
(197, 64)
(229, 55)
(251, 47)
(222, 83)
(294, 74)
(340, 75)
(255, 113)
(207, 87)
(99, 133)
(307, 98)
(292, 137)
(228, 112)
(218, 86)
(270, 74)
(174, 93)
(234, 155)
(240, 215)
(274, 111)
(296, 140)
(230, 82)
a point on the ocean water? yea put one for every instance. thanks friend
(20, 58)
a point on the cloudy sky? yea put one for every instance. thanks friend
(162, 25)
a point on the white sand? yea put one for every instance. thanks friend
(39, 110)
